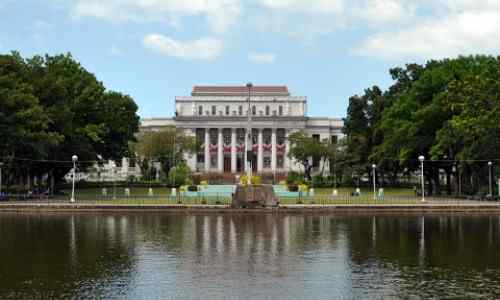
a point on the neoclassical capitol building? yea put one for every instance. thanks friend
(217, 116)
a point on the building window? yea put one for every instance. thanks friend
(214, 136)
(227, 110)
(214, 110)
(226, 136)
(334, 139)
(316, 137)
(240, 110)
(267, 162)
(200, 157)
(131, 163)
(280, 161)
(267, 110)
(280, 110)
(118, 163)
(213, 161)
(200, 110)
(254, 110)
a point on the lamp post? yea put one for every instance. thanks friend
(114, 182)
(1, 165)
(490, 183)
(74, 158)
(374, 168)
(421, 158)
(248, 142)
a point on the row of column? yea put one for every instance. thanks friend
(260, 152)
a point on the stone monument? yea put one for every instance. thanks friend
(254, 196)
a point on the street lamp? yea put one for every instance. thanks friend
(248, 146)
(74, 158)
(491, 186)
(374, 168)
(1, 165)
(421, 158)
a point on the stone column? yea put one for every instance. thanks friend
(248, 146)
(273, 150)
(220, 154)
(233, 150)
(287, 162)
(260, 157)
(207, 150)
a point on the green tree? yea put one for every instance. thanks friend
(166, 146)
(68, 111)
(303, 148)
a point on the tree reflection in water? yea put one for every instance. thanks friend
(153, 255)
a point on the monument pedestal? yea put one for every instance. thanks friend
(254, 196)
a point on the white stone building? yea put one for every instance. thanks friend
(217, 117)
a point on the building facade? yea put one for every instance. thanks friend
(217, 117)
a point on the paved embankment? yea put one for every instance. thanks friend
(436, 206)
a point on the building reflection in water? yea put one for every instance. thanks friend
(141, 255)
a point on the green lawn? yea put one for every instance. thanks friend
(323, 196)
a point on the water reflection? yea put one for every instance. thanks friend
(148, 255)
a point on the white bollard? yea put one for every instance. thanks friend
(150, 192)
(311, 192)
(381, 193)
(173, 192)
(104, 192)
(127, 192)
(335, 193)
(358, 191)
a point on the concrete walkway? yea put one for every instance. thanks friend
(431, 206)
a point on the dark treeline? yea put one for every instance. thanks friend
(52, 108)
(446, 110)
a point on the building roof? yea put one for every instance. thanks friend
(258, 90)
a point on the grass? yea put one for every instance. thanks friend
(323, 196)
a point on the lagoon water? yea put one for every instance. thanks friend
(166, 256)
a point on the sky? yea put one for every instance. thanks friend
(327, 50)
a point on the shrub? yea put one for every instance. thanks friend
(178, 174)
(196, 179)
(294, 177)
(293, 187)
(318, 181)
(204, 182)
(303, 188)
(215, 178)
(131, 179)
(282, 182)
(255, 180)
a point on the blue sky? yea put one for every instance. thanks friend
(327, 50)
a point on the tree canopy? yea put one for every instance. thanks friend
(52, 108)
(166, 146)
(446, 110)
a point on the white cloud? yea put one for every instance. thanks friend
(310, 6)
(115, 51)
(309, 19)
(262, 58)
(466, 27)
(384, 11)
(220, 14)
(202, 49)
